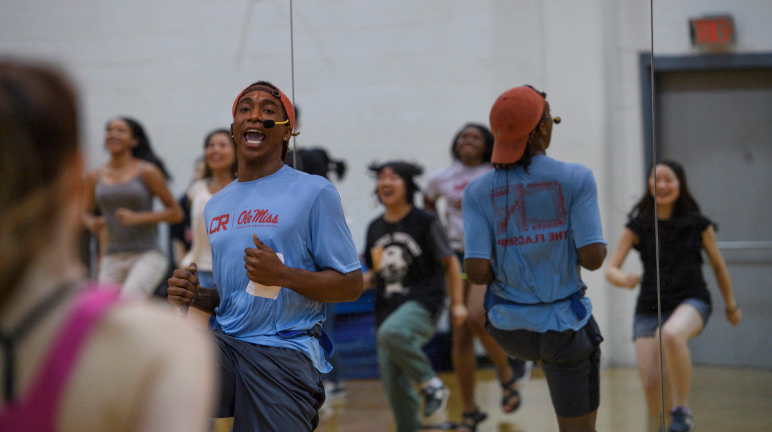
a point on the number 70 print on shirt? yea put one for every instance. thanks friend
(522, 213)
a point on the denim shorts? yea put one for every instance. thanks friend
(645, 325)
(570, 360)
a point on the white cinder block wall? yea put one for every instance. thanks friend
(378, 80)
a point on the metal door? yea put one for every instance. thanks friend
(718, 125)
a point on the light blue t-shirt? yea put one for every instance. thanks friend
(529, 225)
(300, 217)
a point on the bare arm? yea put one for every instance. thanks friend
(263, 266)
(733, 313)
(325, 285)
(478, 270)
(591, 256)
(614, 273)
(458, 311)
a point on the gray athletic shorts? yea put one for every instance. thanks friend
(645, 325)
(267, 388)
(570, 359)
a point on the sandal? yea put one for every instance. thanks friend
(470, 420)
(510, 391)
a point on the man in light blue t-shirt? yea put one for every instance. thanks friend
(528, 227)
(280, 249)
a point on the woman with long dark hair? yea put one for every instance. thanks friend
(123, 190)
(686, 304)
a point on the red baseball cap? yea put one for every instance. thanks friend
(513, 116)
(275, 92)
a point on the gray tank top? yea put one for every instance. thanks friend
(133, 195)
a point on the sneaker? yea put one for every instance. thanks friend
(681, 420)
(435, 399)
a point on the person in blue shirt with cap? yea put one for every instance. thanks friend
(529, 225)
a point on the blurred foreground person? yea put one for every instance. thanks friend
(76, 358)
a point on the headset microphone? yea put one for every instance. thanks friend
(271, 123)
(557, 120)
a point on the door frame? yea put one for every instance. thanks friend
(690, 63)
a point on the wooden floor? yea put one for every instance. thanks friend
(722, 399)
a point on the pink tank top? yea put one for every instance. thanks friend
(36, 410)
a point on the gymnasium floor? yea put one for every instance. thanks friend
(722, 399)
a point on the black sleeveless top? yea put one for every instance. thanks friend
(680, 246)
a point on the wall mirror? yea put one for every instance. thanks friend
(380, 80)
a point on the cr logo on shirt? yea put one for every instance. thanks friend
(220, 222)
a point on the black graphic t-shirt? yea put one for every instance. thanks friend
(680, 246)
(405, 257)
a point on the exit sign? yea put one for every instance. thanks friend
(712, 31)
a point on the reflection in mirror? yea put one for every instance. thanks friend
(396, 79)
(701, 101)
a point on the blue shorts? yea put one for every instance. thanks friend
(267, 388)
(570, 359)
(645, 325)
